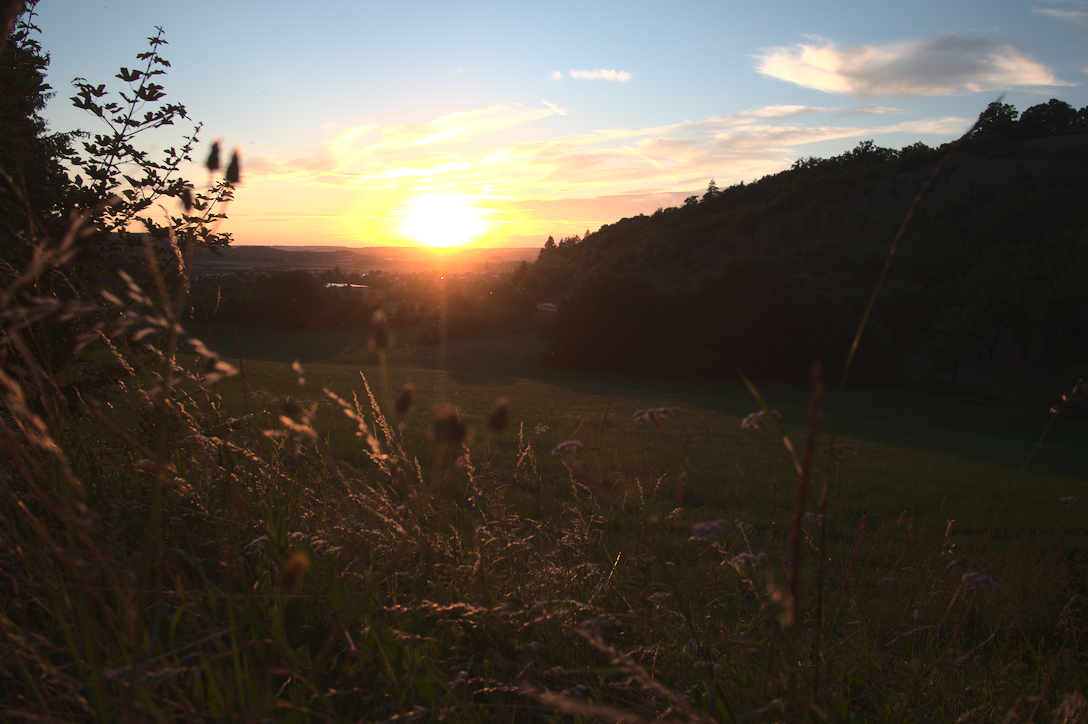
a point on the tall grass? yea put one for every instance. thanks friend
(169, 556)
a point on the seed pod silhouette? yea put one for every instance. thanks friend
(234, 170)
(448, 428)
(294, 569)
(497, 419)
(213, 158)
(380, 336)
(404, 399)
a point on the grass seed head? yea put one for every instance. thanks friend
(294, 569)
(216, 369)
(380, 336)
(292, 409)
(448, 427)
(234, 169)
(213, 157)
(496, 421)
(404, 399)
(1072, 710)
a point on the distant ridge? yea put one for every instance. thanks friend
(331, 253)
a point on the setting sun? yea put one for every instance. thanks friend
(443, 221)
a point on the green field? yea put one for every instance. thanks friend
(935, 457)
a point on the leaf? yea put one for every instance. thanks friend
(150, 92)
(128, 75)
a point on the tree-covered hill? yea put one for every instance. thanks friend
(766, 276)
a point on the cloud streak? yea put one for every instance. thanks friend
(1076, 17)
(619, 76)
(454, 151)
(377, 168)
(940, 66)
(555, 108)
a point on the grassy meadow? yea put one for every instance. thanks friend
(230, 542)
(934, 457)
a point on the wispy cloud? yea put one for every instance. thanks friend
(555, 108)
(949, 126)
(1072, 12)
(418, 172)
(456, 151)
(556, 75)
(561, 178)
(620, 76)
(944, 65)
(405, 150)
(870, 110)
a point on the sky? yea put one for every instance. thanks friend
(503, 123)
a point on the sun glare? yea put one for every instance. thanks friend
(443, 220)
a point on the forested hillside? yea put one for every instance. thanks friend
(768, 275)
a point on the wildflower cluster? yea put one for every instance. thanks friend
(981, 582)
(741, 560)
(757, 419)
(710, 530)
(566, 447)
(656, 415)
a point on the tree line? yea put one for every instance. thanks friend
(442, 308)
(765, 276)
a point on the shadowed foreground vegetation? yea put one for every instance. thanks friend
(251, 547)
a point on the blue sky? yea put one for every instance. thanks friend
(377, 124)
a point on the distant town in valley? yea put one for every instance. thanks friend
(252, 260)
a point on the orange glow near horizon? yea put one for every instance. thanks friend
(443, 221)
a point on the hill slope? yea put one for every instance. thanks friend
(766, 276)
